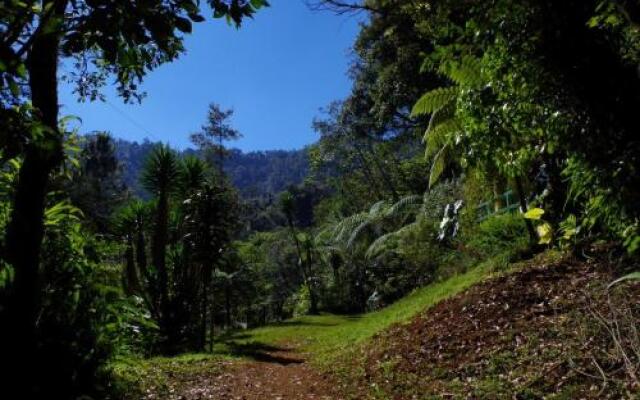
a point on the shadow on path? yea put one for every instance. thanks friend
(263, 352)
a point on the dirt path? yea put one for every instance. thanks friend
(280, 375)
(274, 374)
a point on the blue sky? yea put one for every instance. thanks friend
(275, 72)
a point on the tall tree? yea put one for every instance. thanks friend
(123, 39)
(162, 178)
(214, 133)
(97, 187)
(304, 253)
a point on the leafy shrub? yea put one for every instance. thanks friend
(498, 234)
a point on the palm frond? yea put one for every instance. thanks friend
(161, 170)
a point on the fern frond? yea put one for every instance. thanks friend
(438, 165)
(60, 212)
(434, 100)
(403, 204)
(441, 135)
(378, 244)
(467, 72)
(347, 225)
(440, 116)
(377, 208)
(332, 249)
(355, 234)
(324, 236)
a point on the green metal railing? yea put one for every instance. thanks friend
(486, 209)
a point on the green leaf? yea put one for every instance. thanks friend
(196, 17)
(441, 135)
(21, 70)
(183, 24)
(259, 3)
(437, 167)
(545, 233)
(534, 213)
(434, 100)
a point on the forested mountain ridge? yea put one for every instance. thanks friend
(254, 174)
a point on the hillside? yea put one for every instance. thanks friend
(538, 333)
(528, 331)
(254, 174)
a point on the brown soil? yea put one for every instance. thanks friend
(517, 335)
(276, 374)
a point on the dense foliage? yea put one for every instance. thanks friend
(474, 130)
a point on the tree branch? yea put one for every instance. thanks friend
(342, 7)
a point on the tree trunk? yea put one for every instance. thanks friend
(141, 253)
(227, 305)
(313, 299)
(555, 202)
(533, 237)
(25, 230)
(159, 262)
(212, 326)
(132, 282)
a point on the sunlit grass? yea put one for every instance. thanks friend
(327, 336)
(327, 340)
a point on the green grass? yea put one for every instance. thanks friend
(131, 378)
(327, 339)
(327, 336)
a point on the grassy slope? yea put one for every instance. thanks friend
(325, 337)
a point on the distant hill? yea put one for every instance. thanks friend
(266, 172)
(254, 174)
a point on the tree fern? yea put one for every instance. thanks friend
(379, 244)
(376, 215)
(434, 100)
(440, 116)
(441, 135)
(377, 208)
(412, 202)
(465, 73)
(444, 127)
(438, 165)
(345, 227)
(355, 234)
